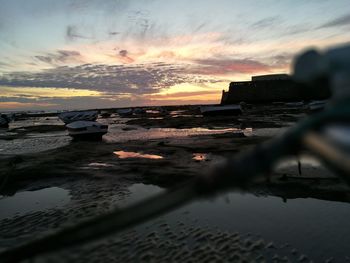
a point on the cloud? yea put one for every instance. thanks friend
(190, 97)
(186, 94)
(4, 64)
(228, 66)
(15, 105)
(72, 33)
(113, 33)
(275, 24)
(136, 79)
(123, 55)
(281, 60)
(199, 27)
(84, 102)
(297, 29)
(267, 22)
(340, 21)
(60, 56)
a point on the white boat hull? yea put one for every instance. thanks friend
(87, 130)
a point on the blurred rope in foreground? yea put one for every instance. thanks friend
(238, 172)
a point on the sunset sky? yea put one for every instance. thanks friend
(78, 54)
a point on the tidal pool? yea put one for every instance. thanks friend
(116, 134)
(33, 144)
(201, 157)
(316, 228)
(126, 155)
(32, 201)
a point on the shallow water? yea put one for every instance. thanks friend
(118, 131)
(116, 134)
(32, 201)
(316, 228)
(141, 191)
(201, 157)
(34, 143)
(38, 142)
(126, 155)
(306, 160)
(36, 121)
(268, 132)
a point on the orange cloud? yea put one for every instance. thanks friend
(227, 66)
(13, 105)
(198, 96)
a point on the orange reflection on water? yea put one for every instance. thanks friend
(124, 155)
(200, 157)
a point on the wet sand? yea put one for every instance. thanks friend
(37, 154)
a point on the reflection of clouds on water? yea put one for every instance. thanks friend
(47, 133)
(200, 157)
(115, 135)
(304, 160)
(32, 201)
(125, 155)
(298, 224)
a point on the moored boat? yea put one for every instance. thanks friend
(317, 105)
(296, 104)
(139, 111)
(5, 119)
(87, 130)
(105, 114)
(221, 110)
(72, 116)
(125, 112)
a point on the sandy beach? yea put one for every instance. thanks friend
(50, 181)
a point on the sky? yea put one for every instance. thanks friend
(81, 54)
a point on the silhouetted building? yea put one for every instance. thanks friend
(272, 88)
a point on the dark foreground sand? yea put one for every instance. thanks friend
(98, 181)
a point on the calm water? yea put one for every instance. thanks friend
(126, 155)
(118, 131)
(116, 134)
(316, 228)
(32, 201)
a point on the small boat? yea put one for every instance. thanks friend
(163, 111)
(5, 119)
(105, 114)
(125, 112)
(317, 105)
(139, 111)
(221, 110)
(86, 130)
(72, 116)
(297, 104)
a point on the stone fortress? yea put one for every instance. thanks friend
(273, 88)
